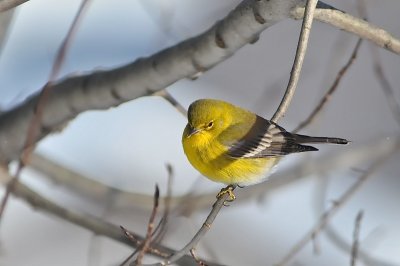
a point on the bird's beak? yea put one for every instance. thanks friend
(193, 131)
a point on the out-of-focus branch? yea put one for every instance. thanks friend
(331, 90)
(298, 60)
(5, 22)
(385, 84)
(31, 134)
(323, 164)
(104, 89)
(365, 257)
(87, 221)
(8, 4)
(328, 214)
(354, 25)
(356, 235)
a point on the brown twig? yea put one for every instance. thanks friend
(199, 261)
(219, 203)
(328, 214)
(331, 90)
(298, 60)
(378, 70)
(33, 128)
(385, 84)
(169, 98)
(150, 226)
(160, 230)
(354, 25)
(356, 234)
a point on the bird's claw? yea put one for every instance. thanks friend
(227, 190)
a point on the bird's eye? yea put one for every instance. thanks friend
(210, 124)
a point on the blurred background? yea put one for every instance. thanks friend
(129, 146)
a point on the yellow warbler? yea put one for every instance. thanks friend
(234, 146)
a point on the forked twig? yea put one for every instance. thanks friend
(331, 90)
(42, 100)
(219, 203)
(150, 226)
(329, 213)
(298, 60)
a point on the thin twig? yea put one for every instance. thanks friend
(328, 214)
(219, 203)
(298, 60)
(378, 70)
(331, 90)
(161, 69)
(385, 84)
(138, 243)
(160, 230)
(354, 25)
(199, 261)
(35, 122)
(150, 226)
(168, 97)
(356, 235)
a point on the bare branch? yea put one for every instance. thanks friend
(323, 164)
(199, 261)
(87, 221)
(354, 249)
(8, 4)
(298, 60)
(385, 84)
(150, 226)
(331, 90)
(219, 203)
(104, 89)
(35, 120)
(328, 214)
(354, 25)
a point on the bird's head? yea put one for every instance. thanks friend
(208, 118)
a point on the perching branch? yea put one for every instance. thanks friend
(219, 203)
(87, 221)
(104, 89)
(298, 60)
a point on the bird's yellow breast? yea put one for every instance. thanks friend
(210, 158)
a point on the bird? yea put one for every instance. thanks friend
(231, 145)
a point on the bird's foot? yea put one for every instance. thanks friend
(227, 190)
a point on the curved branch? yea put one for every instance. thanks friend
(104, 89)
(354, 25)
(8, 4)
(298, 60)
(88, 221)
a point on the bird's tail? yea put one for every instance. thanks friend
(308, 139)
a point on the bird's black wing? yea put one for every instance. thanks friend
(266, 139)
